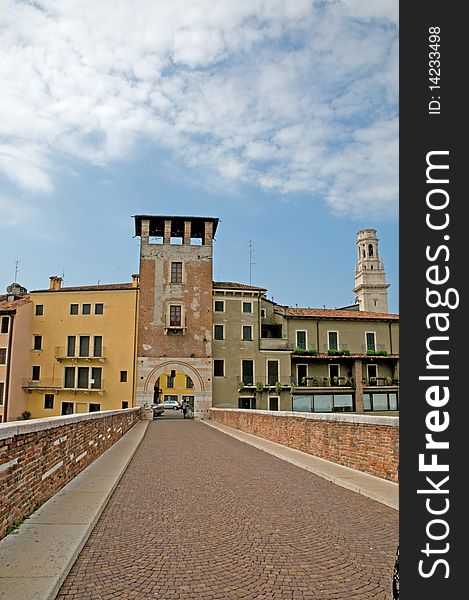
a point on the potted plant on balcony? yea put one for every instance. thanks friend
(240, 385)
(259, 387)
(278, 387)
(372, 381)
(388, 380)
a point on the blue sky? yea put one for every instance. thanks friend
(280, 118)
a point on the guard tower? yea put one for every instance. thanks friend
(370, 279)
(175, 304)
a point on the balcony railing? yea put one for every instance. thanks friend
(380, 381)
(326, 382)
(261, 383)
(42, 384)
(58, 385)
(62, 354)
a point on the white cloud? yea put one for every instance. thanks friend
(288, 96)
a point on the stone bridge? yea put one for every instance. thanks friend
(248, 504)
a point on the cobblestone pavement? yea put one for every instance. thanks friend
(201, 515)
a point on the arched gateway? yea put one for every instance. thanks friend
(175, 304)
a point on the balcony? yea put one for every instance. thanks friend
(42, 384)
(327, 382)
(264, 384)
(61, 354)
(274, 344)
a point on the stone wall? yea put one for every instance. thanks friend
(38, 457)
(363, 442)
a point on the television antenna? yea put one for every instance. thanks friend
(17, 268)
(251, 262)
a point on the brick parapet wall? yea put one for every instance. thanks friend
(38, 457)
(362, 442)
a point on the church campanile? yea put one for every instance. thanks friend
(370, 279)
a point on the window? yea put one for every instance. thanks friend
(247, 375)
(247, 307)
(36, 375)
(263, 313)
(370, 341)
(84, 345)
(98, 345)
(86, 309)
(125, 404)
(247, 403)
(272, 372)
(372, 373)
(247, 333)
(37, 342)
(2, 391)
(334, 374)
(175, 313)
(67, 408)
(83, 376)
(94, 407)
(302, 374)
(301, 339)
(39, 310)
(71, 339)
(171, 397)
(380, 402)
(323, 403)
(176, 272)
(218, 332)
(98, 308)
(69, 377)
(73, 311)
(189, 382)
(332, 340)
(3, 356)
(273, 402)
(5, 324)
(96, 374)
(169, 381)
(49, 401)
(123, 376)
(219, 306)
(218, 368)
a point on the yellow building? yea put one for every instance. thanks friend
(82, 348)
(175, 385)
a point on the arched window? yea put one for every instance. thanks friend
(370, 249)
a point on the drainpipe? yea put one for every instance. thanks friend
(390, 337)
(8, 369)
(317, 335)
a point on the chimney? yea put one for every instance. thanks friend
(55, 283)
(135, 280)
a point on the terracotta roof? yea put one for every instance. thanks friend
(334, 313)
(236, 286)
(5, 305)
(89, 288)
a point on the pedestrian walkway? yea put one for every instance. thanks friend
(201, 515)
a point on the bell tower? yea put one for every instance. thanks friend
(370, 279)
(175, 304)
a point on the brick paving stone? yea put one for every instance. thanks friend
(199, 515)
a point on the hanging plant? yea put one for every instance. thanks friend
(278, 387)
(259, 386)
